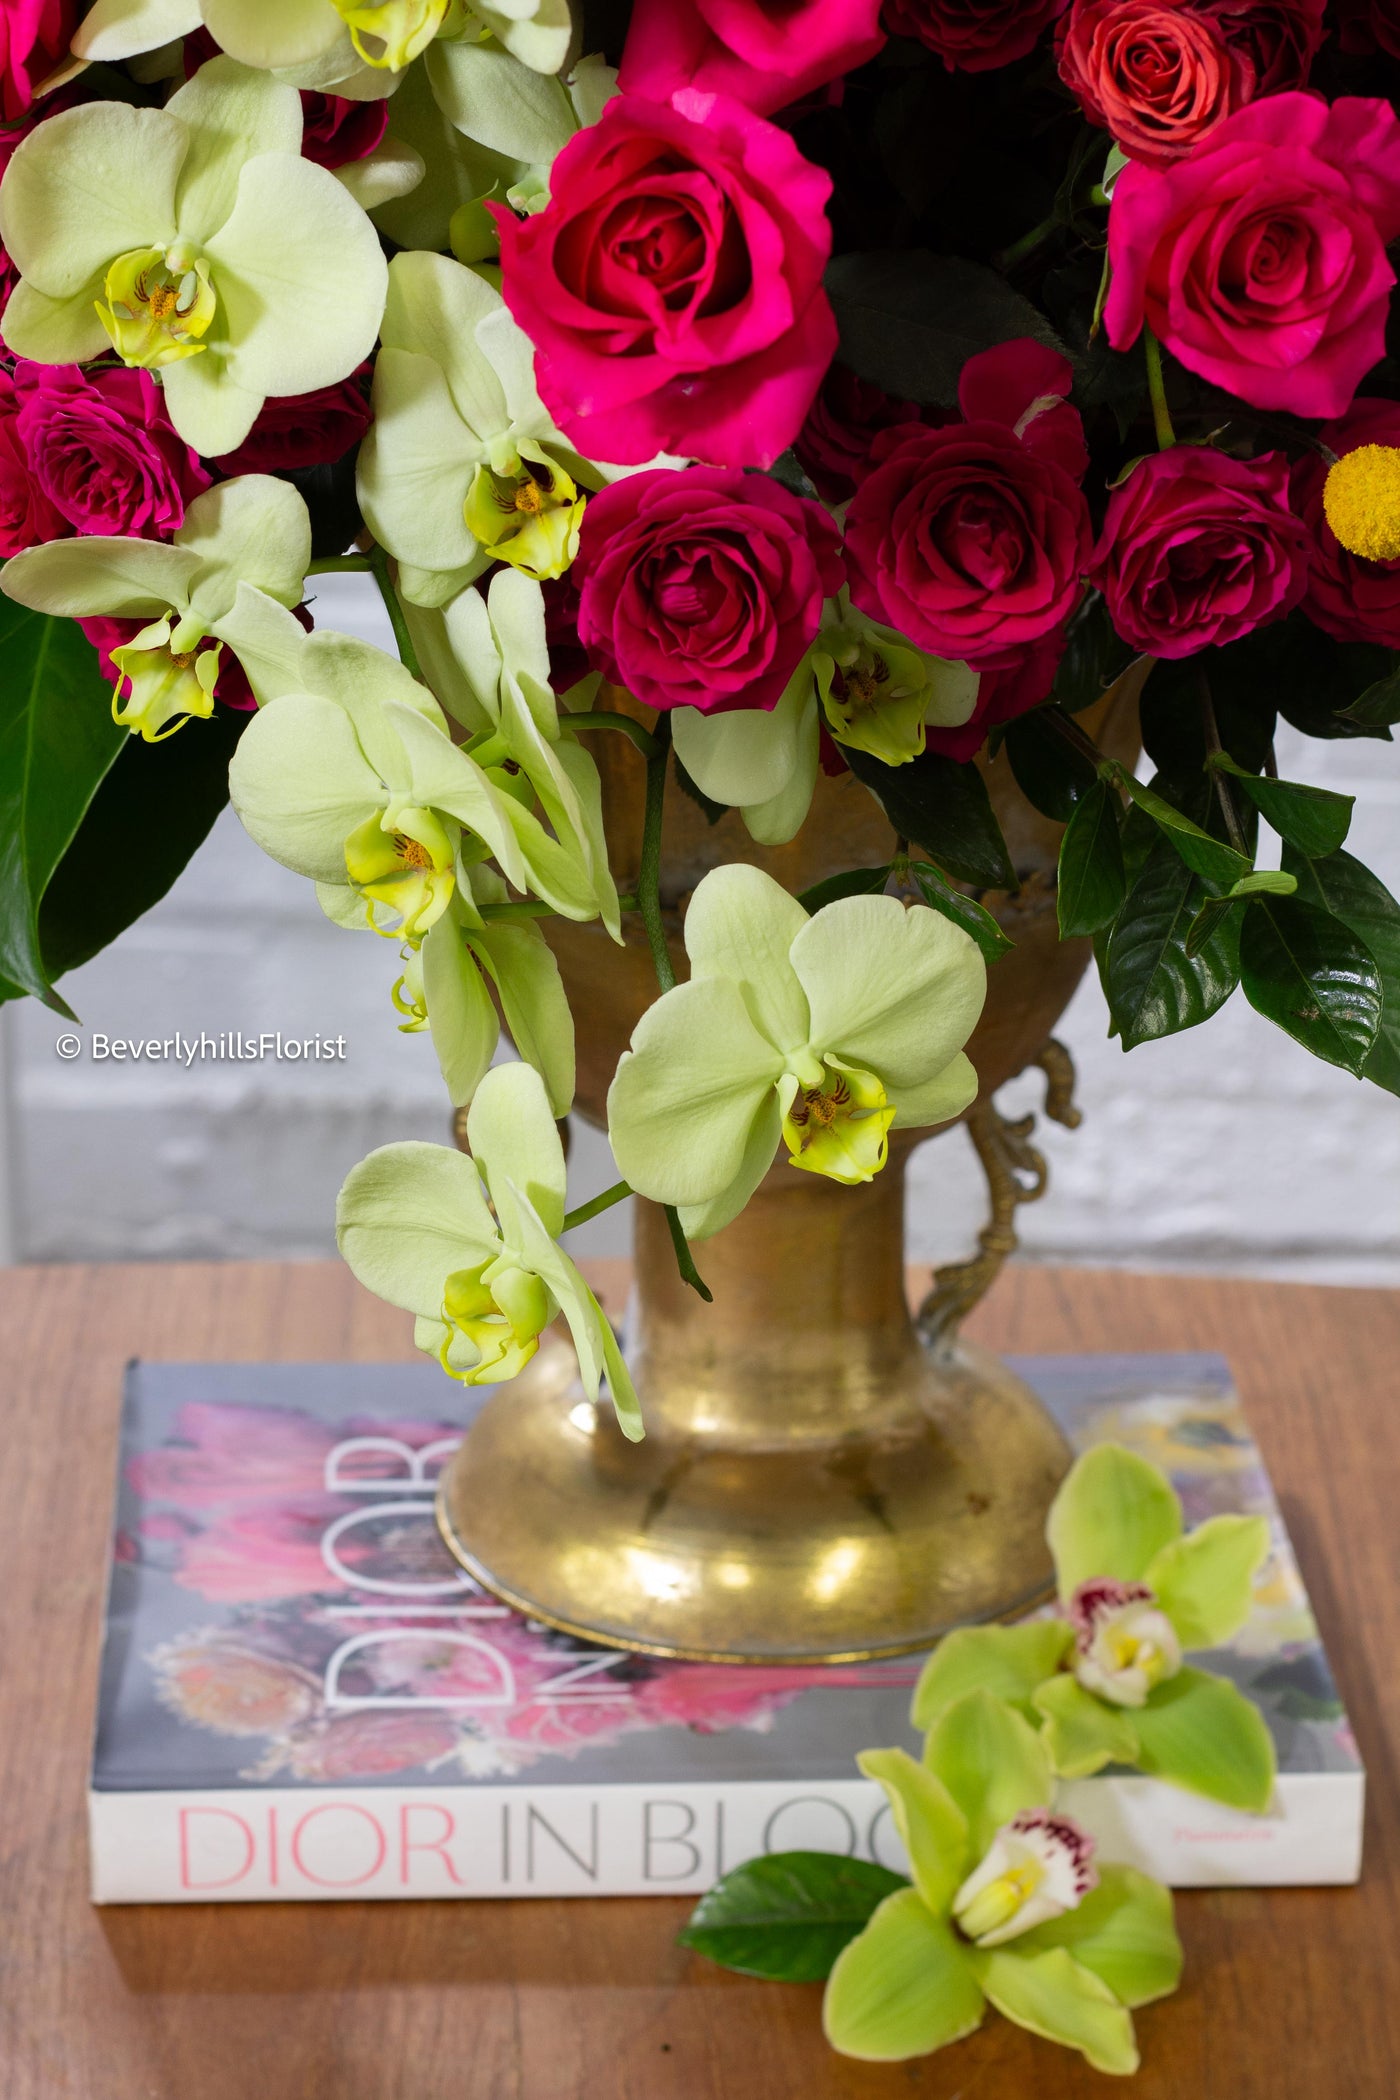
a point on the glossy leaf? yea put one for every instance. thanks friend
(1341, 885)
(788, 1916)
(1208, 857)
(945, 808)
(904, 1988)
(992, 1762)
(1082, 1733)
(1211, 916)
(1112, 1514)
(1205, 1581)
(853, 882)
(1051, 773)
(964, 911)
(1306, 971)
(910, 320)
(1092, 880)
(1313, 820)
(1094, 658)
(1379, 706)
(1124, 1932)
(1201, 1733)
(1052, 1995)
(1155, 987)
(1007, 1661)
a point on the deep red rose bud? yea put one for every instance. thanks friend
(833, 446)
(1280, 38)
(304, 430)
(335, 132)
(1199, 549)
(1348, 597)
(974, 36)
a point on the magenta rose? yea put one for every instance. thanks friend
(103, 451)
(1026, 386)
(303, 430)
(1159, 77)
(765, 56)
(1260, 261)
(1348, 597)
(27, 513)
(1199, 549)
(833, 445)
(1280, 38)
(672, 286)
(34, 37)
(974, 36)
(703, 588)
(1001, 697)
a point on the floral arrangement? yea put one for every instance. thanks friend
(832, 388)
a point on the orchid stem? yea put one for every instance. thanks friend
(340, 565)
(685, 1260)
(613, 718)
(516, 910)
(408, 655)
(618, 1193)
(1157, 388)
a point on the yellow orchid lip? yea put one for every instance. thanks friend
(160, 685)
(839, 1126)
(501, 1319)
(389, 34)
(408, 864)
(159, 303)
(526, 511)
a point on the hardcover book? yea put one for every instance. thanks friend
(303, 1695)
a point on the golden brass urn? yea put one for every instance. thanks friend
(823, 1477)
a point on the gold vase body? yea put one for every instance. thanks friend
(818, 1481)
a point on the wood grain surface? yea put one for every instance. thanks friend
(1289, 1995)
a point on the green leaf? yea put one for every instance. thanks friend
(854, 882)
(1007, 1661)
(931, 1826)
(1052, 1995)
(1265, 882)
(1124, 1932)
(1262, 882)
(789, 470)
(1306, 971)
(1208, 857)
(1082, 1733)
(945, 807)
(1092, 879)
(1379, 706)
(788, 1916)
(909, 320)
(992, 1762)
(1094, 657)
(1212, 915)
(1053, 776)
(1341, 885)
(1155, 987)
(1113, 1513)
(57, 741)
(904, 1988)
(1200, 1733)
(974, 918)
(1205, 1581)
(1314, 820)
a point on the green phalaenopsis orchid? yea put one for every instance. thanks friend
(1106, 1682)
(468, 1244)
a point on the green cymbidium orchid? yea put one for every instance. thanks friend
(229, 577)
(462, 466)
(873, 689)
(352, 780)
(197, 242)
(468, 1244)
(1106, 1682)
(823, 1032)
(1006, 1908)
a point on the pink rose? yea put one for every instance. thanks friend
(1260, 261)
(833, 445)
(703, 588)
(974, 36)
(672, 286)
(1348, 597)
(1199, 549)
(34, 38)
(765, 56)
(1280, 38)
(1159, 77)
(973, 539)
(103, 451)
(304, 430)
(27, 513)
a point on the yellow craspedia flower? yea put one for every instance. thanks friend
(1361, 498)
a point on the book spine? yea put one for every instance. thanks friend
(275, 1845)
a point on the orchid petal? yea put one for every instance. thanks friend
(515, 605)
(895, 990)
(513, 1137)
(392, 170)
(1051, 1995)
(744, 756)
(461, 1018)
(415, 465)
(87, 185)
(538, 32)
(741, 926)
(1007, 1661)
(781, 817)
(431, 629)
(268, 641)
(492, 98)
(64, 331)
(1201, 1733)
(211, 409)
(939, 1099)
(932, 1828)
(255, 529)
(700, 1220)
(410, 1216)
(595, 1344)
(533, 1003)
(1082, 1733)
(97, 576)
(682, 1105)
(1113, 1513)
(433, 309)
(992, 1763)
(285, 33)
(506, 348)
(300, 784)
(232, 114)
(116, 29)
(458, 170)
(903, 1987)
(1204, 1582)
(1123, 1931)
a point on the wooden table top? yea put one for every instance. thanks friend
(1289, 1995)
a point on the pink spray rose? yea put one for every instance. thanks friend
(1158, 76)
(765, 56)
(103, 451)
(27, 513)
(973, 539)
(1199, 549)
(1260, 261)
(974, 36)
(34, 38)
(672, 286)
(304, 430)
(704, 588)
(1348, 597)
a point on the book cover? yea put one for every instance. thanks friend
(303, 1695)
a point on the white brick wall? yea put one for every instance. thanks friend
(1226, 1148)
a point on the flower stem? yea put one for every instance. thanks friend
(619, 1191)
(1028, 243)
(1157, 388)
(685, 1260)
(612, 718)
(649, 874)
(516, 910)
(1223, 791)
(408, 655)
(340, 565)
(1066, 726)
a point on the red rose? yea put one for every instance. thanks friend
(335, 132)
(1199, 549)
(672, 286)
(1280, 38)
(1348, 597)
(1001, 697)
(764, 56)
(1158, 77)
(27, 513)
(703, 588)
(972, 539)
(303, 430)
(1260, 261)
(974, 36)
(101, 447)
(833, 445)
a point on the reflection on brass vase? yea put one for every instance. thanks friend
(823, 1475)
